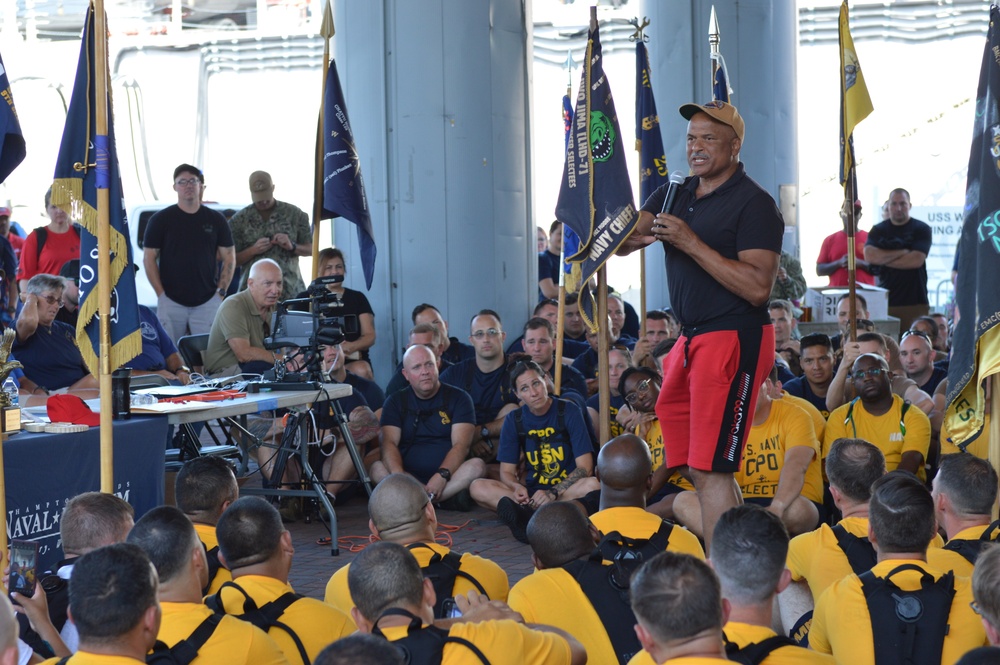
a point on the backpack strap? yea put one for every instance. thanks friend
(424, 645)
(756, 652)
(214, 565)
(185, 651)
(859, 552)
(970, 549)
(41, 235)
(264, 617)
(615, 546)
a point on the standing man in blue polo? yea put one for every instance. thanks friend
(181, 250)
(722, 240)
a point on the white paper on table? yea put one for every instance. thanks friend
(172, 407)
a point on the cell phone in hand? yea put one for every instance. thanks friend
(449, 609)
(23, 567)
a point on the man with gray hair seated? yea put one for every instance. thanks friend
(46, 347)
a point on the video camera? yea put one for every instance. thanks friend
(308, 330)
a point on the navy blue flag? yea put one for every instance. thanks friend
(343, 186)
(595, 199)
(12, 150)
(720, 79)
(88, 162)
(976, 347)
(648, 141)
(571, 241)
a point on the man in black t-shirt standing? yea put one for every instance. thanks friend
(722, 240)
(898, 249)
(181, 249)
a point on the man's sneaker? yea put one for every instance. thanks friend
(515, 517)
(462, 502)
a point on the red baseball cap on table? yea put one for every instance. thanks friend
(71, 409)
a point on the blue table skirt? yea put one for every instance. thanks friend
(43, 471)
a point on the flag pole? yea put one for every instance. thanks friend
(561, 324)
(326, 30)
(104, 242)
(850, 220)
(603, 367)
(640, 36)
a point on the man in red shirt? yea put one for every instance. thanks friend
(832, 259)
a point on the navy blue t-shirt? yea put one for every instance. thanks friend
(156, 343)
(50, 357)
(489, 391)
(548, 266)
(425, 426)
(550, 453)
(799, 387)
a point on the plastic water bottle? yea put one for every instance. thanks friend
(10, 387)
(142, 399)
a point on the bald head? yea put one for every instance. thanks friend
(624, 463)
(398, 509)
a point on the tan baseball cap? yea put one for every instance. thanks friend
(261, 187)
(720, 111)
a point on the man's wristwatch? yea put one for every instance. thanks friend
(222, 293)
(485, 432)
(444, 473)
(183, 368)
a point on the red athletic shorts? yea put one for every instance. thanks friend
(710, 386)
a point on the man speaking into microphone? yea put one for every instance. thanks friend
(721, 235)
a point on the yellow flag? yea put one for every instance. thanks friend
(855, 102)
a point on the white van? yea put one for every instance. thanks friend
(138, 218)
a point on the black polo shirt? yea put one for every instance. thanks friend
(738, 216)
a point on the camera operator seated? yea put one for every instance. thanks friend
(46, 347)
(236, 342)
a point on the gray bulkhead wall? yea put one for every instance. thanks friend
(438, 92)
(759, 41)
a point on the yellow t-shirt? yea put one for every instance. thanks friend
(883, 431)
(553, 598)
(817, 558)
(654, 439)
(206, 533)
(489, 574)
(643, 658)
(316, 623)
(233, 642)
(637, 523)
(502, 642)
(819, 420)
(787, 426)
(944, 559)
(842, 626)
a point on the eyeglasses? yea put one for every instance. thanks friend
(975, 608)
(51, 300)
(489, 332)
(186, 181)
(874, 372)
(640, 389)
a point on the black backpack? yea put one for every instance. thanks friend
(859, 551)
(425, 646)
(909, 627)
(970, 548)
(755, 652)
(607, 586)
(264, 617)
(442, 570)
(186, 650)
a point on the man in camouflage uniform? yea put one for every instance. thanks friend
(270, 229)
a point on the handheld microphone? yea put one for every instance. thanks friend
(676, 180)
